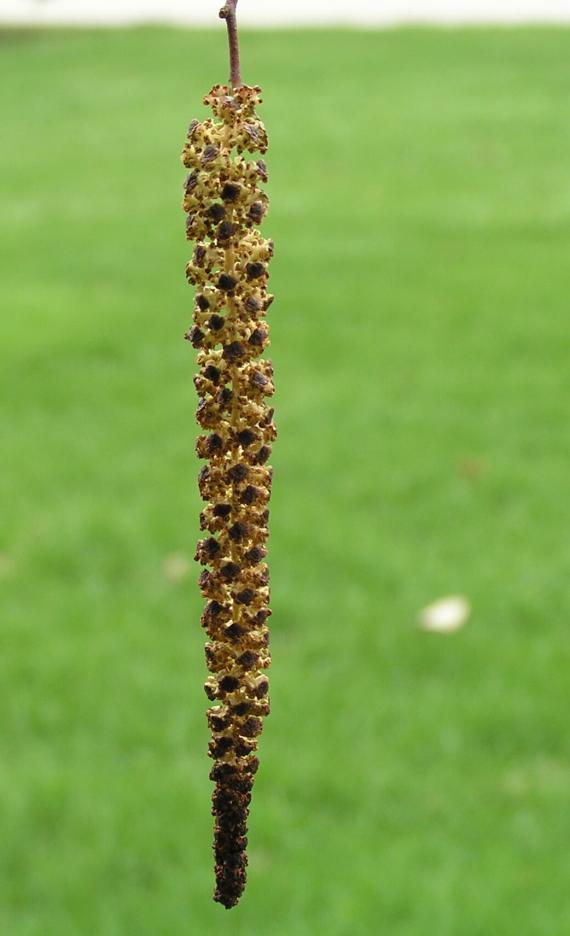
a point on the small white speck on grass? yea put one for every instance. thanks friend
(445, 616)
(176, 567)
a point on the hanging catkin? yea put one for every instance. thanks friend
(229, 270)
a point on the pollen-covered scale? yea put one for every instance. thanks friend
(225, 205)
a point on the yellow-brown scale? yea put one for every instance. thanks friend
(229, 268)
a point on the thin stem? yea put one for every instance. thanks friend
(228, 12)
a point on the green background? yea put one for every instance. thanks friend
(411, 784)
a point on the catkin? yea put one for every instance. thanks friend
(229, 269)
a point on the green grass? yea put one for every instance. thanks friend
(411, 785)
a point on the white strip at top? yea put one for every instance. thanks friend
(282, 12)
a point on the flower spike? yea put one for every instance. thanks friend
(229, 268)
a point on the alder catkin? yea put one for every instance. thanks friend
(229, 269)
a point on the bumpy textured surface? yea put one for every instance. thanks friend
(225, 205)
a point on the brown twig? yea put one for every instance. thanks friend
(228, 12)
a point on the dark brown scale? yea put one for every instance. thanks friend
(226, 282)
(252, 304)
(254, 270)
(215, 444)
(258, 380)
(245, 597)
(229, 684)
(212, 548)
(210, 692)
(238, 473)
(261, 689)
(226, 231)
(258, 337)
(256, 554)
(195, 336)
(222, 510)
(216, 212)
(262, 455)
(234, 631)
(215, 612)
(234, 352)
(231, 192)
(249, 495)
(210, 153)
(252, 727)
(238, 531)
(225, 396)
(191, 181)
(220, 746)
(199, 255)
(246, 437)
(217, 722)
(229, 571)
(256, 212)
(216, 322)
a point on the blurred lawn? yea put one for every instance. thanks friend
(410, 785)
